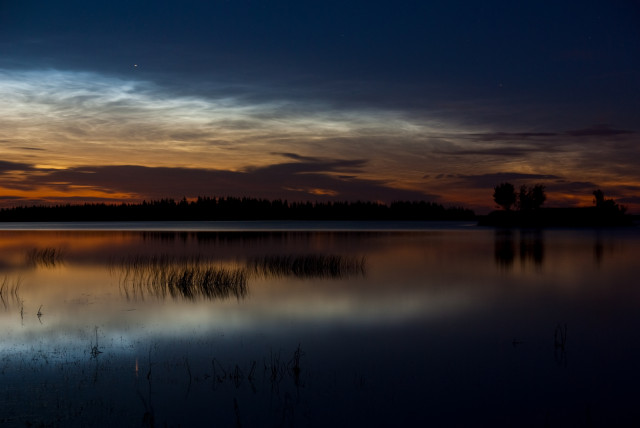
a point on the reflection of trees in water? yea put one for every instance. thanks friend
(530, 246)
(194, 278)
(307, 266)
(598, 250)
(603, 246)
(504, 248)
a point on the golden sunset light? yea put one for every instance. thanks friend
(82, 135)
(319, 213)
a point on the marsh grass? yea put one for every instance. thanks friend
(195, 278)
(190, 278)
(307, 266)
(70, 388)
(275, 370)
(560, 336)
(560, 344)
(45, 257)
(294, 365)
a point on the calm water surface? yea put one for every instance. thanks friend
(341, 325)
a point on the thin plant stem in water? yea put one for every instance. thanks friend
(95, 350)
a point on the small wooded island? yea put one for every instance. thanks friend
(529, 212)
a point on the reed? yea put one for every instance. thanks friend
(191, 279)
(560, 343)
(95, 350)
(560, 336)
(307, 266)
(45, 257)
(275, 369)
(294, 366)
(195, 278)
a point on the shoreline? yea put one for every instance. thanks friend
(587, 217)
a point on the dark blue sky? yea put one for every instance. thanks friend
(437, 73)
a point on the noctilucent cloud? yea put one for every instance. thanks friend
(316, 100)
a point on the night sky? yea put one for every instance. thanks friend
(315, 100)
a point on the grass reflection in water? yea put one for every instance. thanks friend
(9, 291)
(196, 278)
(190, 278)
(45, 257)
(310, 266)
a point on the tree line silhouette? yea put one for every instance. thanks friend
(529, 198)
(232, 208)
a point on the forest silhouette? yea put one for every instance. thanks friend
(232, 208)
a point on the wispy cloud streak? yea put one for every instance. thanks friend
(94, 136)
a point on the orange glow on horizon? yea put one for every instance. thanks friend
(133, 141)
(479, 200)
(56, 196)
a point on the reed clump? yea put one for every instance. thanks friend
(191, 279)
(196, 278)
(307, 266)
(46, 257)
(275, 369)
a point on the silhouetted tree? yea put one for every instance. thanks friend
(538, 195)
(599, 201)
(504, 194)
(531, 198)
(605, 204)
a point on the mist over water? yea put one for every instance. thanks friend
(447, 326)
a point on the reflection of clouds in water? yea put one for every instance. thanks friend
(375, 310)
(410, 277)
(431, 309)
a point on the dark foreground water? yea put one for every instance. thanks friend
(448, 326)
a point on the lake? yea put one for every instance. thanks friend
(318, 324)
